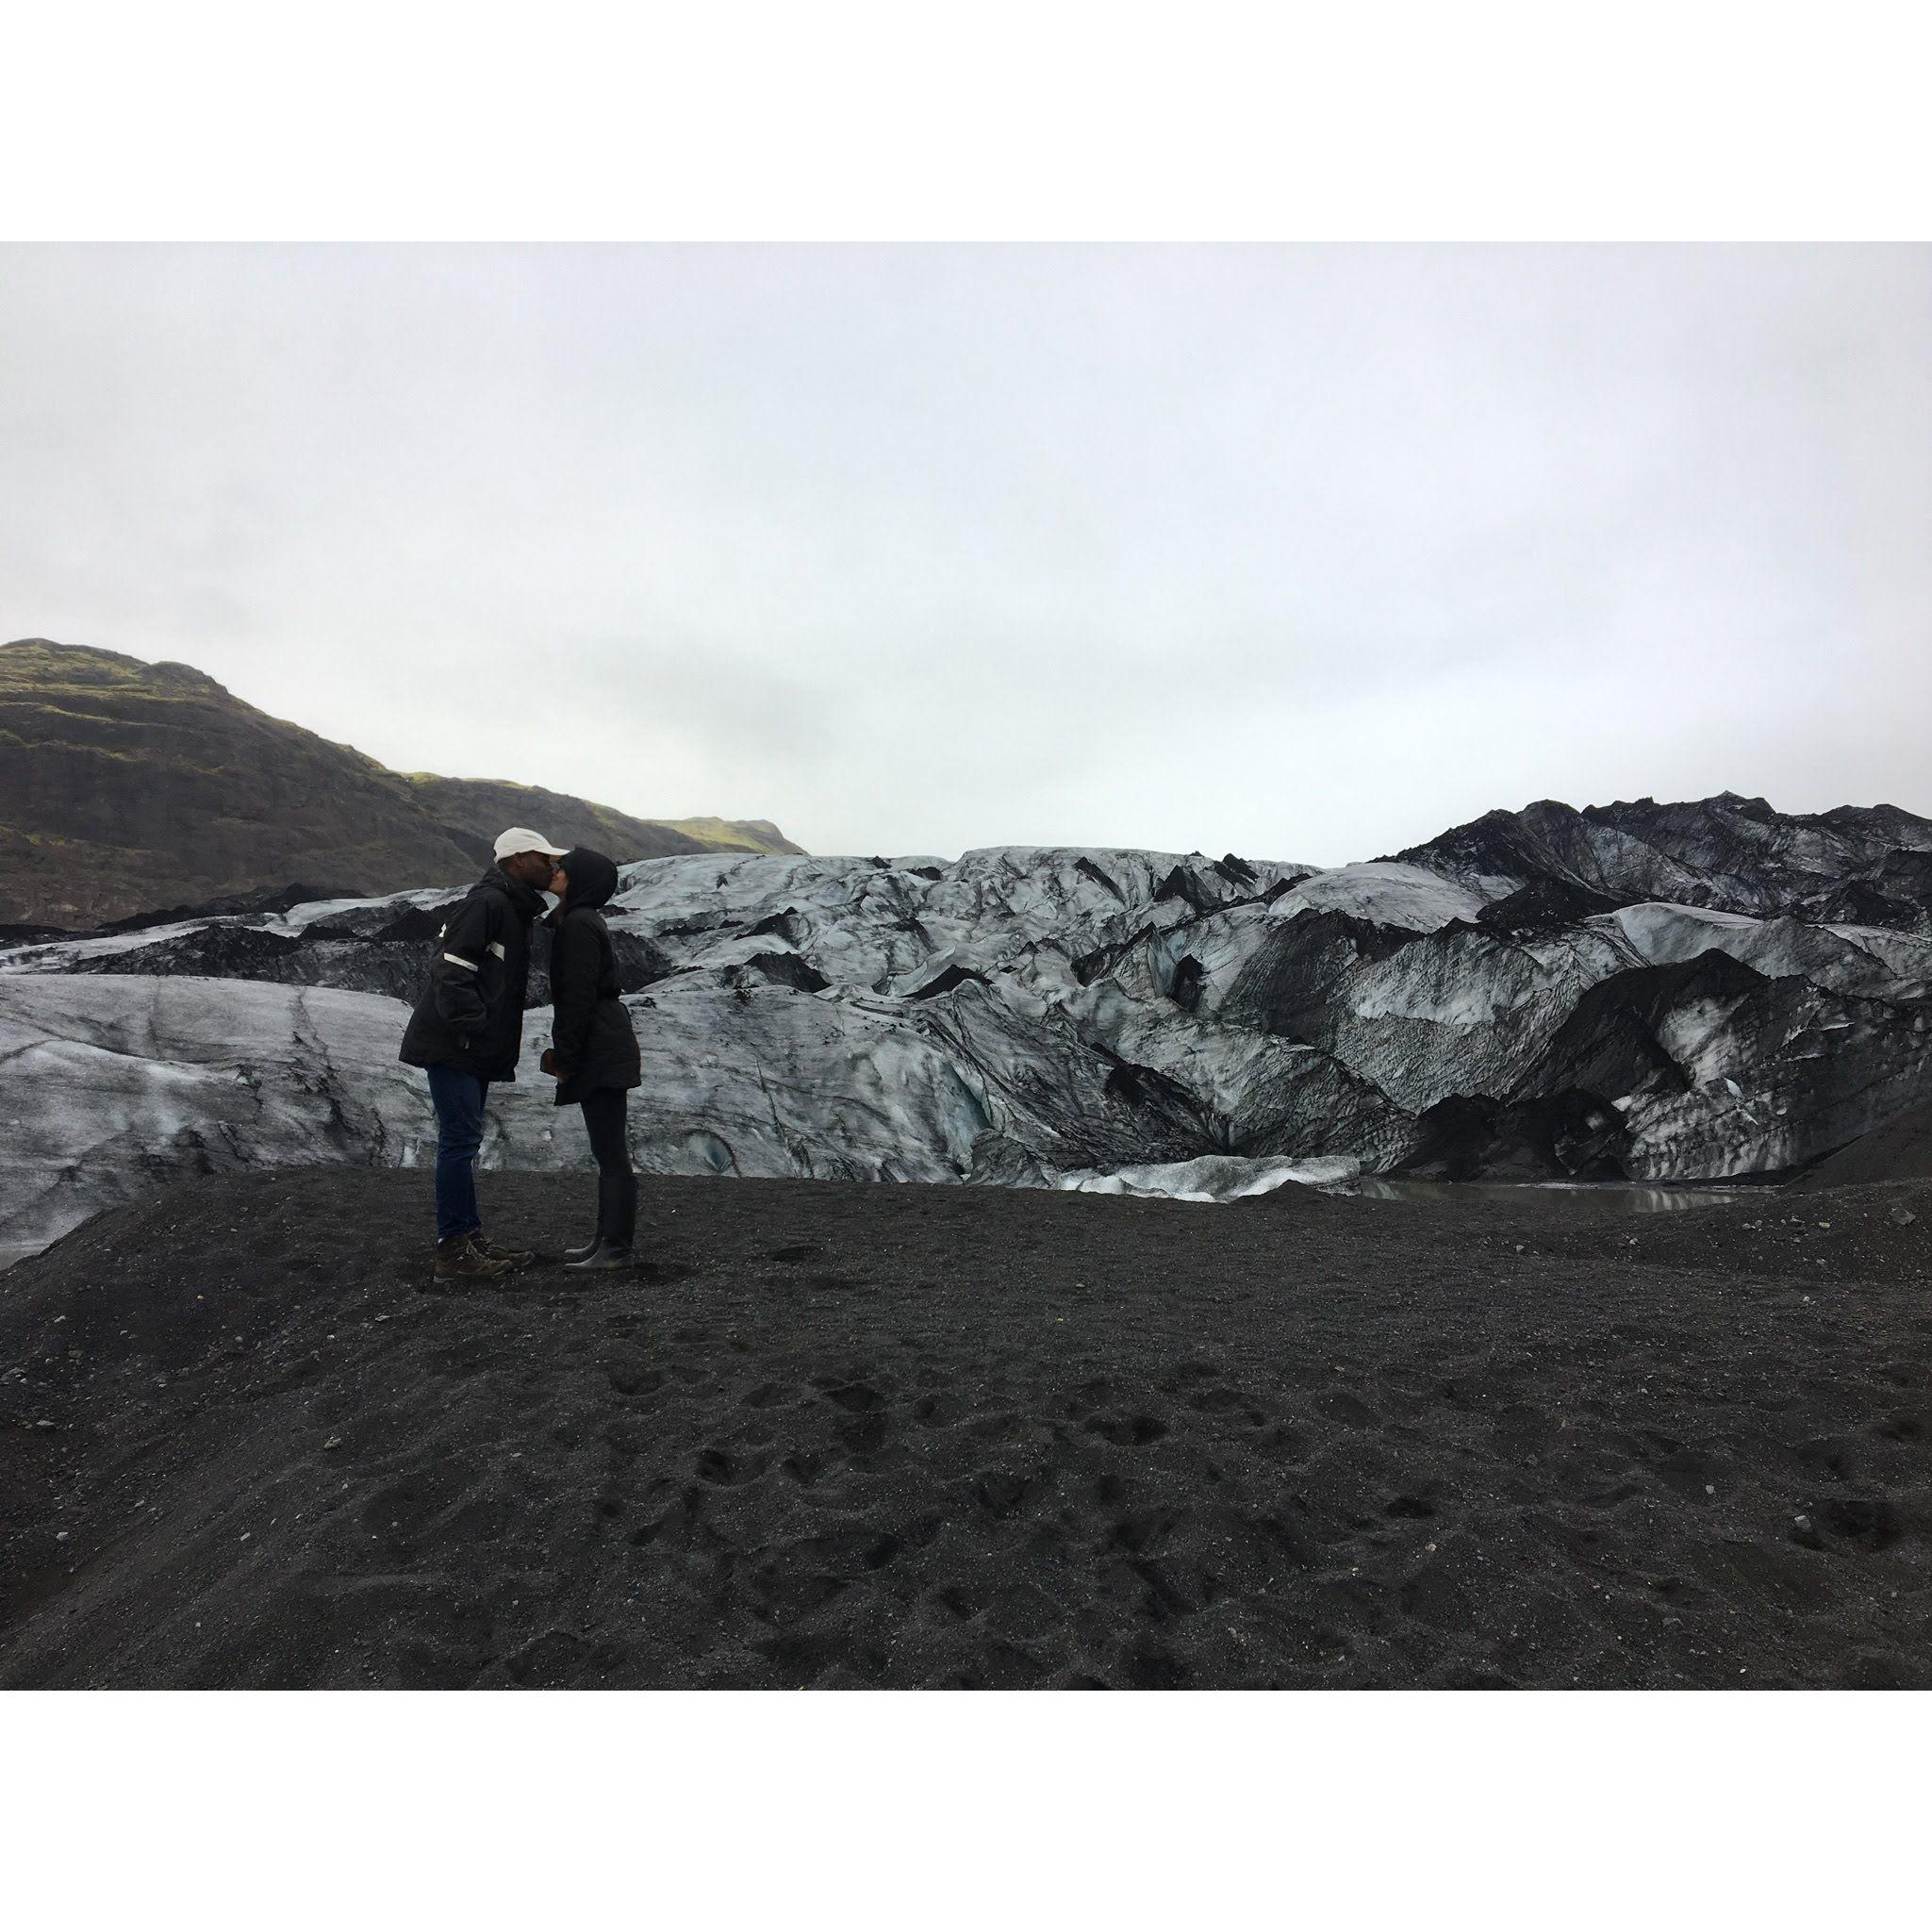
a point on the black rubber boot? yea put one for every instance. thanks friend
(602, 1256)
(573, 1255)
(617, 1220)
(618, 1210)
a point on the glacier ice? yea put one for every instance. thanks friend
(1546, 995)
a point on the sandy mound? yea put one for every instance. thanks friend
(879, 1435)
(1899, 1150)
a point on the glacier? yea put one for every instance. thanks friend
(1638, 993)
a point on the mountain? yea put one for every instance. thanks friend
(1867, 864)
(1514, 1000)
(126, 786)
(460, 805)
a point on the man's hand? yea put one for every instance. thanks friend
(549, 1062)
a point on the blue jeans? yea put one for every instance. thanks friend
(459, 1098)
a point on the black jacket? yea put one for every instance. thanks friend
(471, 1013)
(590, 1028)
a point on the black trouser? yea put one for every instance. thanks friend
(610, 1147)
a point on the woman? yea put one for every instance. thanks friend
(594, 1052)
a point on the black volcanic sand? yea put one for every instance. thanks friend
(898, 1435)
(1899, 1150)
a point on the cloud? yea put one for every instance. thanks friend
(1306, 551)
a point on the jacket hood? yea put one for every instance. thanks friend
(526, 899)
(593, 879)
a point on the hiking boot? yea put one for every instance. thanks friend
(606, 1254)
(459, 1259)
(496, 1251)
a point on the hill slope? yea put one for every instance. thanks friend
(1901, 1149)
(126, 786)
(460, 804)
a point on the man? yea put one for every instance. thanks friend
(466, 1031)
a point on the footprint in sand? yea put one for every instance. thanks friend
(1283, 1444)
(1867, 1524)
(1153, 1670)
(630, 1379)
(1215, 1401)
(1128, 1432)
(864, 1435)
(999, 1492)
(778, 1594)
(550, 1659)
(1136, 1534)
(1340, 1406)
(1901, 1429)
(722, 1467)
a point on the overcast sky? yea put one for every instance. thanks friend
(1297, 553)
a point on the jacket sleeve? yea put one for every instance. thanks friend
(574, 959)
(457, 967)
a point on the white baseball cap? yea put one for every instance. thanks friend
(519, 838)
